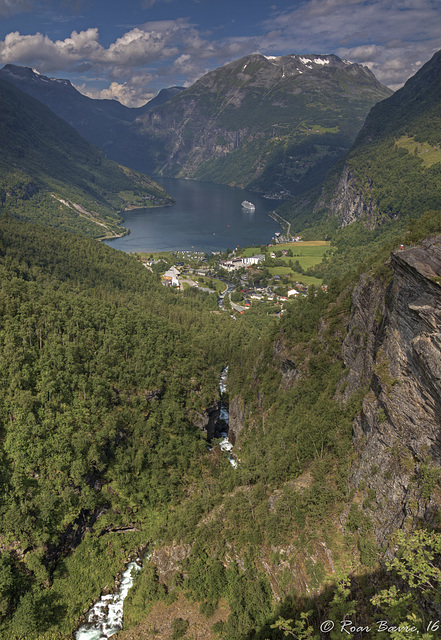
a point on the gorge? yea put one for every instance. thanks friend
(110, 386)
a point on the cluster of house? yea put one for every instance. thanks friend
(279, 237)
(258, 293)
(237, 263)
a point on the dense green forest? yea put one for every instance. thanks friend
(104, 375)
(103, 371)
(256, 535)
(107, 376)
(50, 175)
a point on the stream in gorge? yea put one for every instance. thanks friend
(224, 418)
(105, 617)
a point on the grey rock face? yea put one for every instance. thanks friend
(393, 349)
(349, 203)
(237, 419)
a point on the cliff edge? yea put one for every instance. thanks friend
(393, 350)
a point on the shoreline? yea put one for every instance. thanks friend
(126, 232)
(277, 218)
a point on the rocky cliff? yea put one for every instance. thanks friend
(391, 347)
(351, 202)
(393, 351)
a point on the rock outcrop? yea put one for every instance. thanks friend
(237, 419)
(207, 420)
(167, 560)
(393, 350)
(351, 203)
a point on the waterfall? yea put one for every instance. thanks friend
(225, 444)
(105, 618)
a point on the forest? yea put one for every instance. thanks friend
(105, 375)
(108, 381)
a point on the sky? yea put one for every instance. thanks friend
(130, 49)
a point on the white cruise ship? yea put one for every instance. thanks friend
(248, 206)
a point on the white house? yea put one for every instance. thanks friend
(247, 261)
(172, 276)
(232, 265)
(293, 292)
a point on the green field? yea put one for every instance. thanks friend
(427, 153)
(211, 283)
(311, 249)
(145, 255)
(307, 253)
(294, 276)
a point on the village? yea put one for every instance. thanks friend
(248, 277)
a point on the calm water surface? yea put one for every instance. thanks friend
(206, 217)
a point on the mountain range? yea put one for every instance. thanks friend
(104, 123)
(271, 124)
(391, 174)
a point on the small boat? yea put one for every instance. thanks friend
(248, 206)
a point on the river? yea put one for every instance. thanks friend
(206, 217)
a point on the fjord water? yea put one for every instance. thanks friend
(206, 217)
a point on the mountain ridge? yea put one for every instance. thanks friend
(271, 124)
(50, 174)
(390, 175)
(261, 123)
(103, 122)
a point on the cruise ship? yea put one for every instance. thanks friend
(248, 206)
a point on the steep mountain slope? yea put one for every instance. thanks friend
(163, 96)
(103, 371)
(337, 420)
(105, 123)
(270, 124)
(393, 351)
(393, 171)
(394, 168)
(49, 174)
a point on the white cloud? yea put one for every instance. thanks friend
(391, 37)
(377, 33)
(130, 93)
(152, 42)
(138, 47)
(39, 50)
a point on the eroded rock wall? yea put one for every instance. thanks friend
(393, 350)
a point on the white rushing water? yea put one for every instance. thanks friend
(225, 444)
(105, 618)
